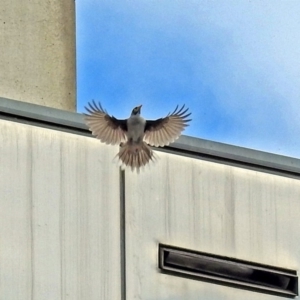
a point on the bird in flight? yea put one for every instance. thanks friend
(135, 133)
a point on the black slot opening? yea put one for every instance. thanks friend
(225, 270)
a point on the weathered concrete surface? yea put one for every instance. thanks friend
(59, 216)
(37, 53)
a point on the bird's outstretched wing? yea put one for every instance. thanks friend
(162, 132)
(106, 128)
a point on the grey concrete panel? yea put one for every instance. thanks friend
(37, 55)
(15, 217)
(209, 207)
(59, 216)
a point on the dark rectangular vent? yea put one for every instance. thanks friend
(228, 271)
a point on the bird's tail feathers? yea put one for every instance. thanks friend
(135, 156)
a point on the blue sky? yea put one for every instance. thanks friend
(235, 64)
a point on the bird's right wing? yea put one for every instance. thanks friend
(106, 128)
(162, 132)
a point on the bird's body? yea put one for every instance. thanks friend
(135, 128)
(134, 133)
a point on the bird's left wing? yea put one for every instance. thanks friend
(106, 128)
(162, 132)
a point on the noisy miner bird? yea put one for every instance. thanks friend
(133, 134)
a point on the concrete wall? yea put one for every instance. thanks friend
(37, 53)
(72, 228)
(209, 207)
(59, 216)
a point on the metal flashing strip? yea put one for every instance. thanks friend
(38, 113)
(228, 271)
(195, 147)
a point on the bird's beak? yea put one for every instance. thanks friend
(140, 106)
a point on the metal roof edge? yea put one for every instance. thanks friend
(188, 144)
(239, 154)
(42, 113)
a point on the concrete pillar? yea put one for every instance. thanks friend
(37, 52)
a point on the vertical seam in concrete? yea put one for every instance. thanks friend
(122, 235)
(31, 209)
(61, 224)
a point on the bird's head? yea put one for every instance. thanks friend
(136, 110)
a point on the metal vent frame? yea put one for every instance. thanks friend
(228, 271)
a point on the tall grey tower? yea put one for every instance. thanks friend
(37, 53)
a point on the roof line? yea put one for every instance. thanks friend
(185, 145)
